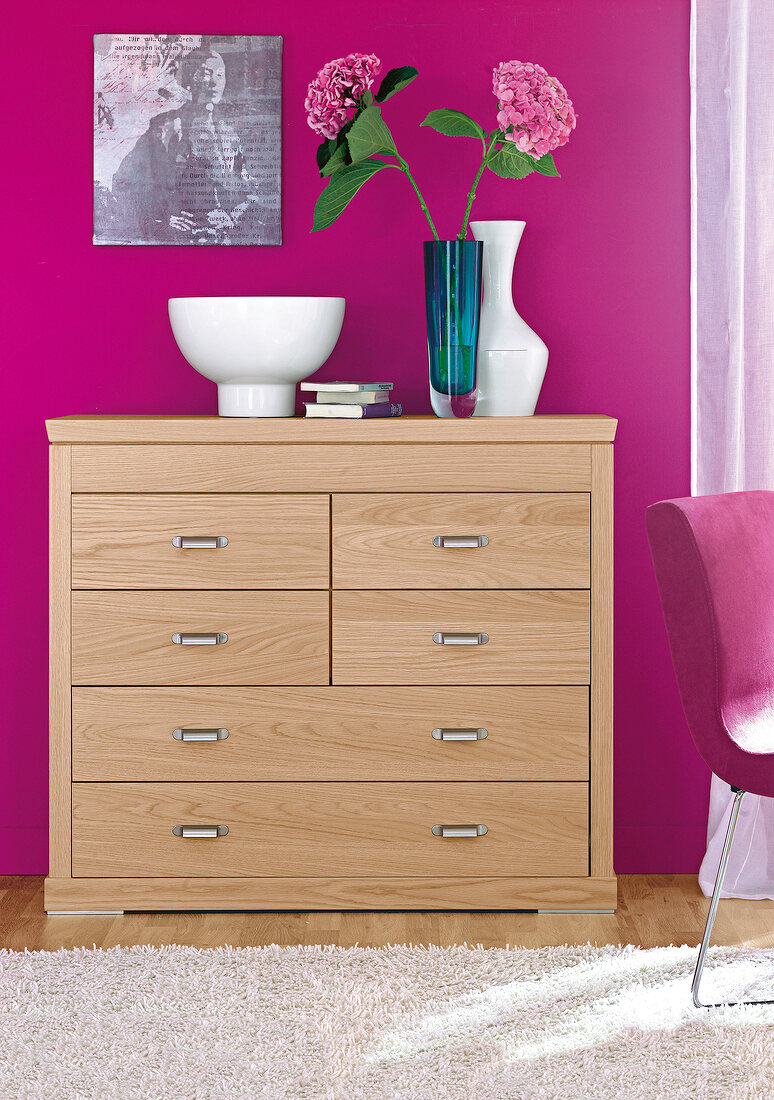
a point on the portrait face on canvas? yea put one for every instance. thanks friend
(204, 77)
(187, 140)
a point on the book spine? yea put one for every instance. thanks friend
(347, 387)
(328, 397)
(389, 408)
(351, 412)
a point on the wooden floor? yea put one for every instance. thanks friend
(653, 911)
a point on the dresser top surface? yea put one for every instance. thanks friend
(406, 429)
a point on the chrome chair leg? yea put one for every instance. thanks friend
(738, 796)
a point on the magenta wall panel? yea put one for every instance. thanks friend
(602, 275)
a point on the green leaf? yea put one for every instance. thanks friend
(343, 187)
(334, 151)
(454, 124)
(510, 163)
(336, 161)
(325, 152)
(369, 136)
(545, 165)
(330, 147)
(394, 81)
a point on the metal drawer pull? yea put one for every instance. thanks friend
(200, 735)
(201, 831)
(459, 830)
(459, 734)
(455, 541)
(443, 637)
(199, 542)
(199, 639)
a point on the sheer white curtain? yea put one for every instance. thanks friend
(732, 296)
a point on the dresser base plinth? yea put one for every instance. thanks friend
(192, 894)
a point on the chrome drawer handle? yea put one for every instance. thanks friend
(200, 831)
(199, 639)
(459, 830)
(460, 734)
(443, 637)
(457, 541)
(199, 542)
(200, 735)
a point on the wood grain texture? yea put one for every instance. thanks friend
(652, 911)
(332, 467)
(301, 761)
(125, 541)
(407, 429)
(536, 540)
(273, 638)
(602, 661)
(370, 892)
(534, 637)
(330, 733)
(327, 829)
(59, 815)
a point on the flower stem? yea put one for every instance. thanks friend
(472, 193)
(403, 166)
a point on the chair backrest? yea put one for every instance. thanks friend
(714, 561)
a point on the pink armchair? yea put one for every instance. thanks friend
(714, 562)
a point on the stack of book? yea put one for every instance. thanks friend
(351, 400)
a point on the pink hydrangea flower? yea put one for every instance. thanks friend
(535, 111)
(336, 90)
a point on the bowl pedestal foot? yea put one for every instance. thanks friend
(256, 399)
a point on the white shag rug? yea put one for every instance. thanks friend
(399, 1023)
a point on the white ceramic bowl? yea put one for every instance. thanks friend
(256, 349)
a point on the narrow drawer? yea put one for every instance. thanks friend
(330, 733)
(272, 637)
(303, 829)
(524, 637)
(331, 467)
(461, 540)
(128, 541)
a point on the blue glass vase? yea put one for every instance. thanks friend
(453, 303)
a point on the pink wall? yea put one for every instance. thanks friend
(602, 275)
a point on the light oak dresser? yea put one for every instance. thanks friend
(331, 664)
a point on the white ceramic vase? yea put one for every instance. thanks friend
(512, 359)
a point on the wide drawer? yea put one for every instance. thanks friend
(461, 540)
(330, 733)
(332, 467)
(522, 637)
(276, 829)
(272, 637)
(229, 540)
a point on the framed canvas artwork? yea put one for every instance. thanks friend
(187, 139)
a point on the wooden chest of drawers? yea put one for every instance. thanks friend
(331, 664)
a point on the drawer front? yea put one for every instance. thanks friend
(303, 829)
(126, 541)
(533, 733)
(331, 467)
(273, 637)
(516, 540)
(533, 637)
